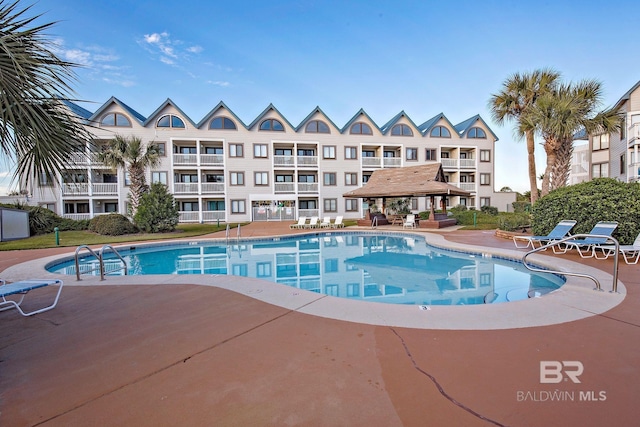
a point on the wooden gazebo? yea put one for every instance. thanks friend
(414, 181)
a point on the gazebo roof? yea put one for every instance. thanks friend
(413, 181)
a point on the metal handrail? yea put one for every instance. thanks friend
(374, 222)
(78, 249)
(227, 233)
(238, 233)
(124, 263)
(614, 286)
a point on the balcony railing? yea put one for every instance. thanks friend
(75, 189)
(185, 187)
(371, 162)
(212, 216)
(308, 212)
(102, 189)
(307, 161)
(284, 187)
(77, 217)
(189, 216)
(212, 159)
(449, 163)
(468, 163)
(185, 159)
(281, 161)
(212, 187)
(634, 132)
(467, 186)
(633, 172)
(392, 162)
(307, 187)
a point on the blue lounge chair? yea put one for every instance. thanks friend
(630, 253)
(559, 231)
(22, 288)
(586, 247)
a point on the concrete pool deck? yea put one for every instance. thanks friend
(184, 354)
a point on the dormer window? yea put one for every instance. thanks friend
(361, 129)
(440, 132)
(115, 119)
(222, 123)
(170, 121)
(316, 126)
(476, 132)
(401, 130)
(272, 124)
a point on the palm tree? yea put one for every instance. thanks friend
(519, 93)
(558, 115)
(37, 132)
(130, 154)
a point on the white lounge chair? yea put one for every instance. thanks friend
(410, 222)
(337, 223)
(300, 224)
(630, 253)
(22, 288)
(560, 231)
(313, 222)
(326, 222)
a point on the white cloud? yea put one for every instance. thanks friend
(195, 49)
(155, 37)
(166, 60)
(219, 83)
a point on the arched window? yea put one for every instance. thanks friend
(115, 119)
(476, 132)
(222, 123)
(361, 129)
(272, 124)
(440, 132)
(316, 126)
(170, 121)
(401, 130)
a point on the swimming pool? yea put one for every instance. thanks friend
(386, 267)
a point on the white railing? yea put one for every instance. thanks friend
(467, 186)
(371, 162)
(449, 163)
(633, 172)
(467, 163)
(185, 187)
(284, 187)
(185, 159)
(634, 132)
(308, 212)
(392, 162)
(284, 160)
(274, 213)
(77, 217)
(212, 187)
(75, 189)
(208, 216)
(307, 187)
(212, 159)
(104, 188)
(189, 216)
(308, 161)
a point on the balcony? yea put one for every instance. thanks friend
(467, 163)
(372, 162)
(307, 161)
(212, 159)
(77, 217)
(284, 161)
(392, 162)
(213, 188)
(75, 189)
(633, 172)
(185, 188)
(466, 186)
(104, 189)
(213, 216)
(307, 187)
(185, 159)
(284, 187)
(634, 132)
(189, 216)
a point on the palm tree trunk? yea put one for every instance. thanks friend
(533, 179)
(551, 150)
(562, 167)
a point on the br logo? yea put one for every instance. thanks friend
(554, 371)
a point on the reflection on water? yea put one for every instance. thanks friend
(383, 268)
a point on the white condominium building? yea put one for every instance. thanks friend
(221, 169)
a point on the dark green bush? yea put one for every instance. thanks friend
(157, 211)
(521, 206)
(602, 199)
(112, 225)
(514, 221)
(43, 221)
(490, 210)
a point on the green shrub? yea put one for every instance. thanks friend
(521, 206)
(112, 225)
(43, 221)
(157, 211)
(490, 210)
(513, 221)
(602, 199)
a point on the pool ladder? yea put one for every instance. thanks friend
(100, 257)
(374, 222)
(228, 230)
(614, 286)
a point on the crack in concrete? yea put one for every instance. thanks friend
(441, 389)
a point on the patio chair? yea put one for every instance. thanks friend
(300, 224)
(587, 247)
(326, 222)
(410, 222)
(22, 288)
(560, 231)
(337, 223)
(630, 253)
(313, 222)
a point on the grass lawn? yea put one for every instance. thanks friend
(77, 238)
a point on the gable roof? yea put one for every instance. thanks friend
(311, 114)
(355, 117)
(264, 113)
(221, 105)
(387, 126)
(429, 124)
(166, 103)
(413, 181)
(76, 109)
(113, 100)
(463, 127)
(627, 95)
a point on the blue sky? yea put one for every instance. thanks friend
(422, 57)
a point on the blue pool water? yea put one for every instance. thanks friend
(387, 268)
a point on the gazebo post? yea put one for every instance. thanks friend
(432, 214)
(443, 203)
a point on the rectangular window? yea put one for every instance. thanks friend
(44, 180)
(368, 153)
(329, 178)
(50, 206)
(213, 150)
(623, 128)
(306, 178)
(189, 206)
(160, 177)
(414, 204)
(350, 153)
(331, 265)
(485, 179)
(351, 205)
(261, 178)
(260, 150)
(215, 205)
(127, 179)
(238, 206)
(485, 201)
(623, 163)
(236, 150)
(263, 269)
(601, 142)
(600, 170)
(430, 154)
(240, 270)
(365, 178)
(485, 155)
(412, 154)
(308, 204)
(162, 149)
(213, 177)
(329, 152)
(350, 178)
(330, 205)
(237, 178)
